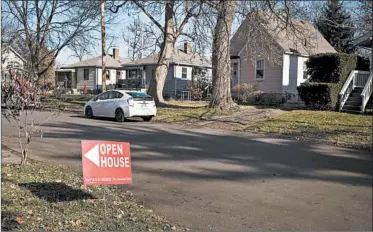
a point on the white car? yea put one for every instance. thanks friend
(121, 104)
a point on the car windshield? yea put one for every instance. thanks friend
(137, 94)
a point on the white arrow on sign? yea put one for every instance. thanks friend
(93, 155)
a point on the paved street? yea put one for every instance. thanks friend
(204, 179)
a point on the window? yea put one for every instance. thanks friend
(118, 73)
(103, 96)
(259, 69)
(234, 69)
(305, 75)
(115, 95)
(86, 74)
(133, 74)
(137, 94)
(184, 73)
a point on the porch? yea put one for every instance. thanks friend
(66, 78)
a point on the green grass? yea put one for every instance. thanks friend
(40, 196)
(331, 126)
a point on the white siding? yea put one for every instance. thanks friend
(285, 71)
(178, 72)
(91, 83)
(301, 61)
(9, 57)
(293, 75)
(112, 75)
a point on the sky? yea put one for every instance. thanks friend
(123, 20)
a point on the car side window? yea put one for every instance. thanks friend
(115, 95)
(103, 96)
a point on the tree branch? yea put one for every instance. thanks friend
(142, 8)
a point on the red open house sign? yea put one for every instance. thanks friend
(106, 162)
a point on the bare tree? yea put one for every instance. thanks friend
(43, 29)
(103, 44)
(52, 24)
(81, 47)
(22, 98)
(112, 42)
(138, 38)
(221, 72)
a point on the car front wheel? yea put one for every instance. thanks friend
(89, 112)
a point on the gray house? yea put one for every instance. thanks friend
(249, 53)
(89, 72)
(184, 67)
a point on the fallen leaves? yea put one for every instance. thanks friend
(56, 207)
(19, 220)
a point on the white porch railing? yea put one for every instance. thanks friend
(355, 79)
(346, 89)
(367, 92)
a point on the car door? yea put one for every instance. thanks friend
(104, 101)
(112, 104)
(98, 105)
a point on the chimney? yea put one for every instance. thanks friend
(115, 53)
(187, 47)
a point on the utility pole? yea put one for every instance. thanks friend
(103, 42)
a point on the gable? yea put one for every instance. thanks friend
(302, 38)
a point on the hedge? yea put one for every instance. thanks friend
(318, 95)
(330, 67)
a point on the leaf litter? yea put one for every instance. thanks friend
(41, 196)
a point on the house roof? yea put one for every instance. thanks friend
(110, 62)
(14, 51)
(300, 37)
(177, 57)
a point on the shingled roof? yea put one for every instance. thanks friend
(301, 37)
(110, 62)
(178, 57)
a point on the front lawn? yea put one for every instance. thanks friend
(48, 197)
(183, 112)
(326, 125)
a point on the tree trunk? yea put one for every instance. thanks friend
(103, 42)
(221, 63)
(168, 46)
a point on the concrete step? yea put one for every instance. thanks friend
(353, 103)
(355, 94)
(357, 98)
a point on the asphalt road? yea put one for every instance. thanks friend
(224, 181)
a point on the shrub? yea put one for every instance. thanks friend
(330, 67)
(362, 63)
(199, 87)
(320, 95)
(270, 98)
(243, 93)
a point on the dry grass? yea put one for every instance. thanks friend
(330, 126)
(42, 196)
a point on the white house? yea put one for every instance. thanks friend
(256, 40)
(184, 66)
(89, 72)
(10, 59)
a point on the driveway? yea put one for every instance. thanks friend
(225, 181)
